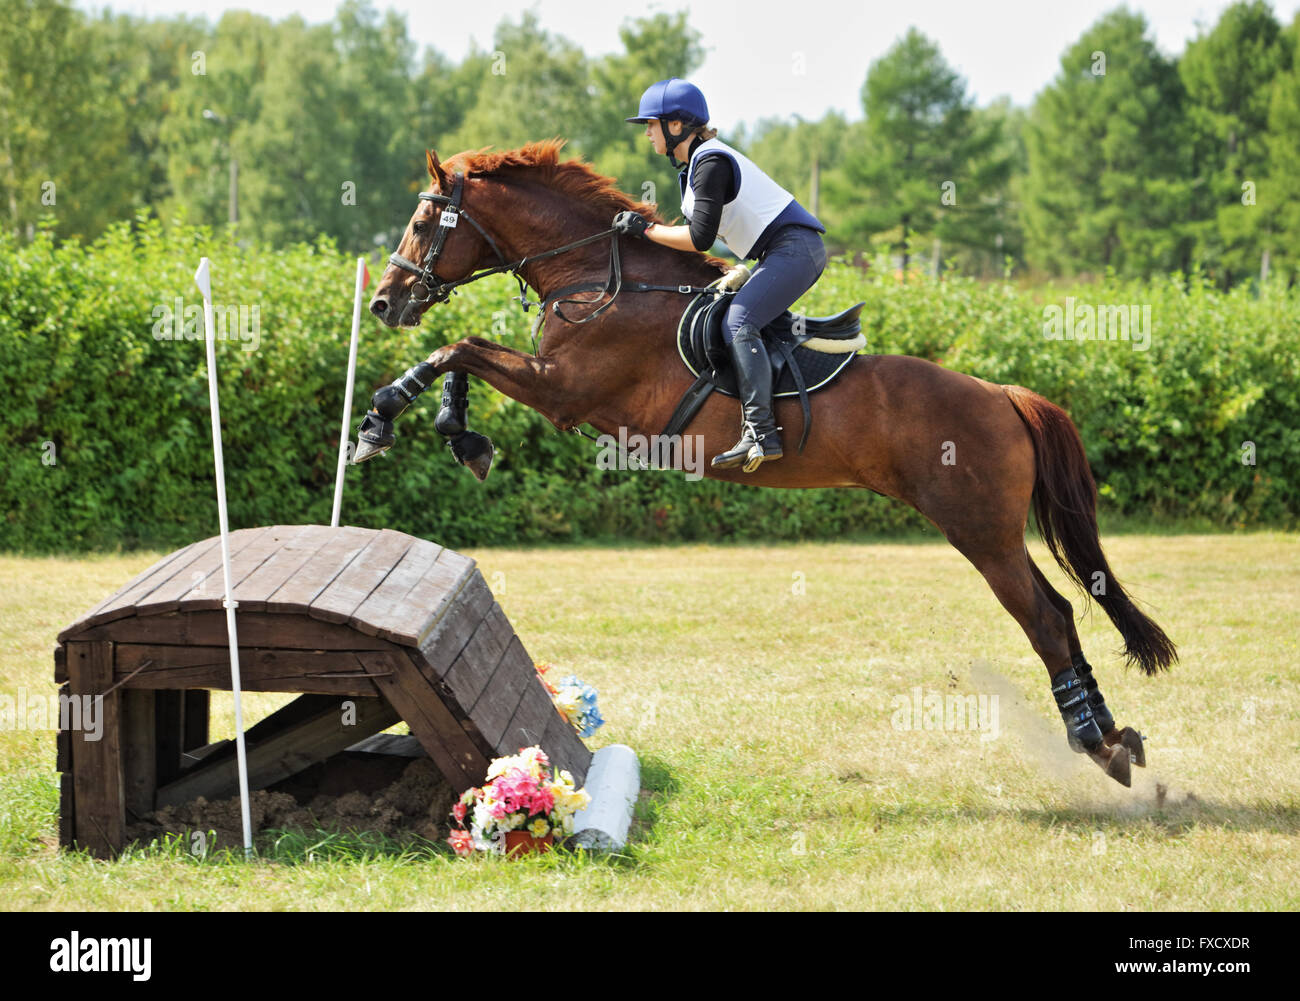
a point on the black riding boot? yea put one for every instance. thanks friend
(759, 441)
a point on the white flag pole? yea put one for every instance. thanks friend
(344, 439)
(204, 282)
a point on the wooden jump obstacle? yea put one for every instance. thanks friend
(371, 627)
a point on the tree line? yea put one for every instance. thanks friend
(1128, 161)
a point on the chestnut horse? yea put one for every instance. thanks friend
(969, 455)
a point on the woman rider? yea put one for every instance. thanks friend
(725, 195)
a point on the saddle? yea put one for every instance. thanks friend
(807, 353)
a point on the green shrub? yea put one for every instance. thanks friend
(107, 431)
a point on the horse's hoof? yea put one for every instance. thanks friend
(1115, 761)
(1136, 745)
(374, 437)
(473, 451)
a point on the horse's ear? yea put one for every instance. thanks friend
(435, 170)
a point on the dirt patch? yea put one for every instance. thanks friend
(398, 797)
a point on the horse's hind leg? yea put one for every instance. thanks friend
(1111, 733)
(1011, 574)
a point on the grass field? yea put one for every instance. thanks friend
(763, 689)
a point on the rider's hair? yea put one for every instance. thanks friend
(703, 131)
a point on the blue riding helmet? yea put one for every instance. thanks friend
(672, 98)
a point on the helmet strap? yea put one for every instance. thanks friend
(672, 142)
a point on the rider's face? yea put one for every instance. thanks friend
(655, 132)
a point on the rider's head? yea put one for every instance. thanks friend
(678, 109)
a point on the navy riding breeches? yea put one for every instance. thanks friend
(790, 266)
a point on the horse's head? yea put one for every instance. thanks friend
(434, 251)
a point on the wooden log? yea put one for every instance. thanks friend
(283, 753)
(97, 763)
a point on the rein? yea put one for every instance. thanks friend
(429, 287)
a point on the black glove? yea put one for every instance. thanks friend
(631, 223)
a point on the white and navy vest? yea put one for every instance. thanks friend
(759, 199)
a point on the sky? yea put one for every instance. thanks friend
(780, 58)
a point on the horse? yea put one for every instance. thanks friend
(970, 455)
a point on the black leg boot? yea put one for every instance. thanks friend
(1096, 702)
(375, 435)
(759, 440)
(1072, 701)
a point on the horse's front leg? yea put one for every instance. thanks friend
(519, 376)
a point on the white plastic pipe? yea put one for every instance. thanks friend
(613, 782)
(344, 438)
(204, 282)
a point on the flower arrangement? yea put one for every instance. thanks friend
(522, 793)
(576, 701)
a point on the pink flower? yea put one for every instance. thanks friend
(458, 811)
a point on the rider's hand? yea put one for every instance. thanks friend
(631, 223)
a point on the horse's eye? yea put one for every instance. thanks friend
(418, 228)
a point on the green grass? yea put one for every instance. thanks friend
(773, 778)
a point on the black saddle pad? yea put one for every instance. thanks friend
(699, 338)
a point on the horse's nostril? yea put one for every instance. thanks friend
(379, 306)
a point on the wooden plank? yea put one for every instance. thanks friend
(295, 713)
(139, 761)
(67, 811)
(123, 603)
(566, 750)
(201, 584)
(298, 592)
(528, 724)
(145, 665)
(437, 590)
(439, 650)
(282, 754)
(97, 764)
(153, 571)
(358, 580)
(63, 740)
(398, 745)
(261, 546)
(477, 662)
(60, 664)
(295, 551)
(496, 705)
(461, 762)
(386, 611)
(256, 629)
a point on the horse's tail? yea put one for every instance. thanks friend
(1065, 507)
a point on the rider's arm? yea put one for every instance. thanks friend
(712, 182)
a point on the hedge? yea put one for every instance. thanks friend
(106, 426)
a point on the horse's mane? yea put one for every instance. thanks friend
(541, 160)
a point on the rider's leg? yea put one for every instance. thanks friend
(791, 266)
